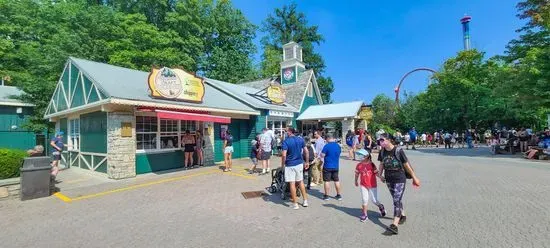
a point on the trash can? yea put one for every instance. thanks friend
(35, 178)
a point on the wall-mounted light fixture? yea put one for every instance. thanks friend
(19, 110)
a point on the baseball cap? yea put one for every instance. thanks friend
(59, 133)
(362, 152)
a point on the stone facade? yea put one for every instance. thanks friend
(121, 151)
(209, 144)
(9, 188)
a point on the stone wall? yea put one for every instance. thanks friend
(9, 188)
(121, 151)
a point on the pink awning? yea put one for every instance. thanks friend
(191, 116)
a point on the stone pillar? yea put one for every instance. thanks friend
(121, 151)
(347, 124)
(209, 144)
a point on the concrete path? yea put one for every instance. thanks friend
(467, 199)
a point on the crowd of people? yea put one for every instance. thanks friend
(314, 160)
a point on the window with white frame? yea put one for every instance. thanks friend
(146, 132)
(169, 135)
(188, 125)
(74, 134)
(310, 90)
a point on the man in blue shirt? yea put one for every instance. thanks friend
(57, 145)
(293, 164)
(331, 155)
(413, 135)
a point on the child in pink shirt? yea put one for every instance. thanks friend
(365, 178)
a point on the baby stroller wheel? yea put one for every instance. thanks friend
(273, 189)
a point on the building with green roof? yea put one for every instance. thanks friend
(13, 115)
(124, 122)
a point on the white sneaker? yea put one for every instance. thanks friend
(263, 171)
(305, 204)
(313, 184)
(295, 207)
(268, 169)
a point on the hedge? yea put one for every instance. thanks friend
(10, 162)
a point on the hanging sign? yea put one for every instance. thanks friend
(276, 94)
(175, 84)
(365, 113)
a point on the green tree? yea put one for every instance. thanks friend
(288, 24)
(229, 45)
(383, 112)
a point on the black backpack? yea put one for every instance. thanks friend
(310, 152)
(407, 174)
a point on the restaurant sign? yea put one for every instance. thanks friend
(276, 94)
(175, 84)
(365, 113)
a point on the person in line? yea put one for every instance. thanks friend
(57, 144)
(523, 138)
(430, 139)
(309, 158)
(200, 148)
(294, 165)
(228, 151)
(395, 166)
(447, 137)
(266, 145)
(424, 138)
(189, 144)
(369, 143)
(407, 141)
(317, 169)
(350, 142)
(365, 179)
(254, 148)
(331, 154)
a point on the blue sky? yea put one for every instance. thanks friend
(369, 45)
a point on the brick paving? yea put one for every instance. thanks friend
(467, 199)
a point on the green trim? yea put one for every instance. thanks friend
(146, 163)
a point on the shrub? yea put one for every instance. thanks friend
(10, 162)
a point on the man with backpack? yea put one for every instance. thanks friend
(396, 168)
(294, 164)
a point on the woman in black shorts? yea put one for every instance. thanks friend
(188, 143)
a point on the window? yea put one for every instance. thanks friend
(188, 125)
(74, 134)
(146, 132)
(289, 53)
(310, 90)
(169, 136)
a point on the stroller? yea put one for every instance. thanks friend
(278, 184)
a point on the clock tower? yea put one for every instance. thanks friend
(292, 64)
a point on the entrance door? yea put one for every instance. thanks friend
(235, 129)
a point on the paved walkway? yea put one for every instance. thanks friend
(465, 201)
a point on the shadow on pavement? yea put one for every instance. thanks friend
(355, 212)
(465, 152)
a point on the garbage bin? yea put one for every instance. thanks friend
(35, 178)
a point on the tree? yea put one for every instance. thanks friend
(229, 45)
(383, 111)
(288, 24)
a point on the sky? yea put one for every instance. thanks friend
(369, 45)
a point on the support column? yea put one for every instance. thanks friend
(208, 151)
(121, 151)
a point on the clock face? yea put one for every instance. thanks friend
(288, 73)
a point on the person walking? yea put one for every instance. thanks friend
(365, 179)
(395, 166)
(228, 151)
(294, 165)
(424, 138)
(331, 154)
(447, 137)
(350, 142)
(317, 169)
(413, 135)
(57, 144)
(523, 138)
(407, 140)
(266, 145)
(189, 144)
(369, 143)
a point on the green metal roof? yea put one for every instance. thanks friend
(123, 83)
(8, 96)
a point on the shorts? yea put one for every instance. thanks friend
(228, 149)
(294, 173)
(56, 156)
(330, 175)
(189, 148)
(254, 161)
(265, 155)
